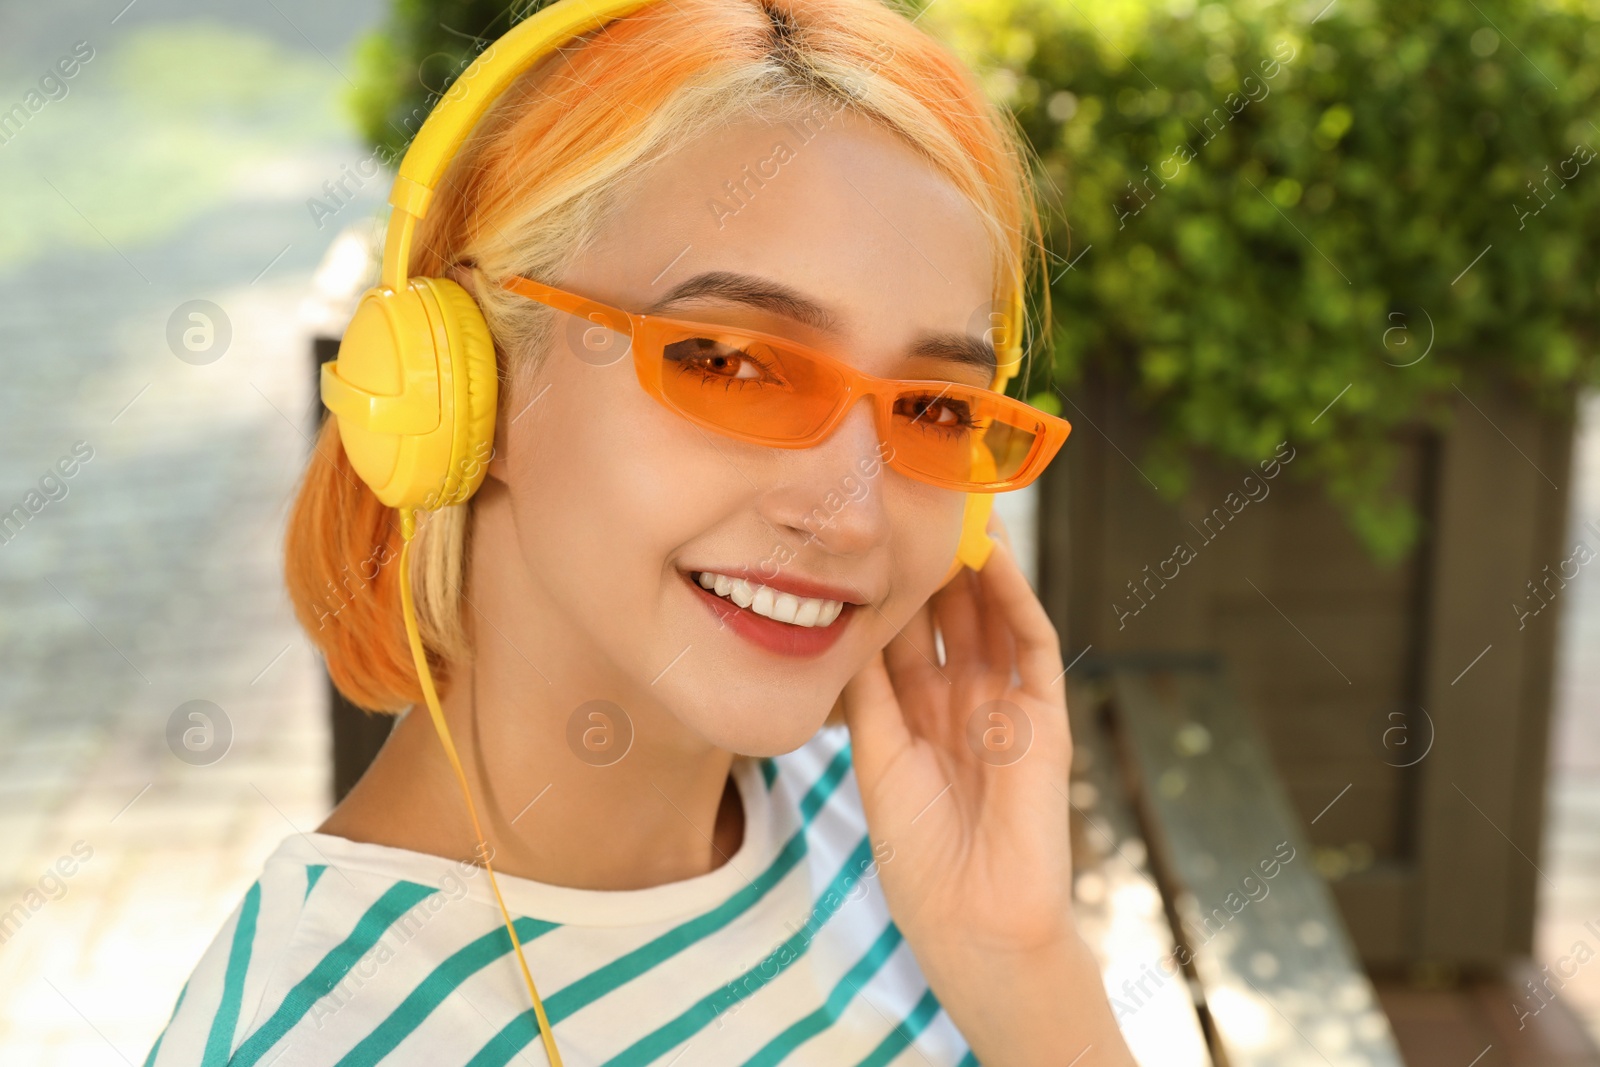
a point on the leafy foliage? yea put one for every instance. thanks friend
(1273, 208)
(407, 65)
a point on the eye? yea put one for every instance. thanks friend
(935, 412)
(713, 360)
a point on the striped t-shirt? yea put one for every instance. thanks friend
(351, 953)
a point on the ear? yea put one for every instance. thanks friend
(463, 275)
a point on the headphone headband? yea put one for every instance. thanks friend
(463, 104)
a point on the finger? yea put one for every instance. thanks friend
(914, 673)
(1000, 650)
(911, 656)
(872, 713)
(1038, 646)
(956, 611)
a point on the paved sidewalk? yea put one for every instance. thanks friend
(155, 579)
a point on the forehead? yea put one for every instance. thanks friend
(833, 206)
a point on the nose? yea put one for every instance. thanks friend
(832, 493)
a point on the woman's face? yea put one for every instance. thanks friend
(848, 242)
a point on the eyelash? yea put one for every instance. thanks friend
(964, 423)
(693, 363)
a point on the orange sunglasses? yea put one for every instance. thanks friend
(768, 390)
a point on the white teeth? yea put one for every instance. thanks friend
(810, 611)
(786, 607)
(763, 600)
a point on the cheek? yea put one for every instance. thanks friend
(927, 523)
(606, 490)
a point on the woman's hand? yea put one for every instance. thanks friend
(963, 768)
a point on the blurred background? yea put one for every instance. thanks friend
(1325, 284)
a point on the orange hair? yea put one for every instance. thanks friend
(533, 181)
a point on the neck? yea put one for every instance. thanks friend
(555, 802)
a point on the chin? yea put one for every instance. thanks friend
(768, 726)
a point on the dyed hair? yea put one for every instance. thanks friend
(532, 185)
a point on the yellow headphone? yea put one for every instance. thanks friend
(415, 388)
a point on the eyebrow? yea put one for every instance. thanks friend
(779, 299)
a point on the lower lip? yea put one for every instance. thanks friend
(786, 639)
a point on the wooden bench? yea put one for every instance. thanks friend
(1220, 943)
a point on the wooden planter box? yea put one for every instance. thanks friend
(1430, 843)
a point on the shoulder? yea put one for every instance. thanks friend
(219, 998)
(299, 942)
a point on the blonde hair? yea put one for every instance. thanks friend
(531, 187)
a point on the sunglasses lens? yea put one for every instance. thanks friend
(767, 392)
(748, 387)
(955, 434)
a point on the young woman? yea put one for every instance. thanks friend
(714, 698)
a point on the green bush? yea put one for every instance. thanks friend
(404, 67)
(1269, 206)
(1348, 163)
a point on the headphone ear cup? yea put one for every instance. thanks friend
(474, 379)
(415, 389)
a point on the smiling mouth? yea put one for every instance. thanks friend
(774, 604)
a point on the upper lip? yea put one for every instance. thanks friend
(786, 583)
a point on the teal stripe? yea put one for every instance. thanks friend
(440, 983)
(704, 1012)
(330, 971)
(219, 1042)
(314, 871)
(896, 1041)
(512, 1038)
(591, 987)
(155, 1049)
(769, 772)
(844, 991)
(969, 1060)
(819, 793)
(523, 1029)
